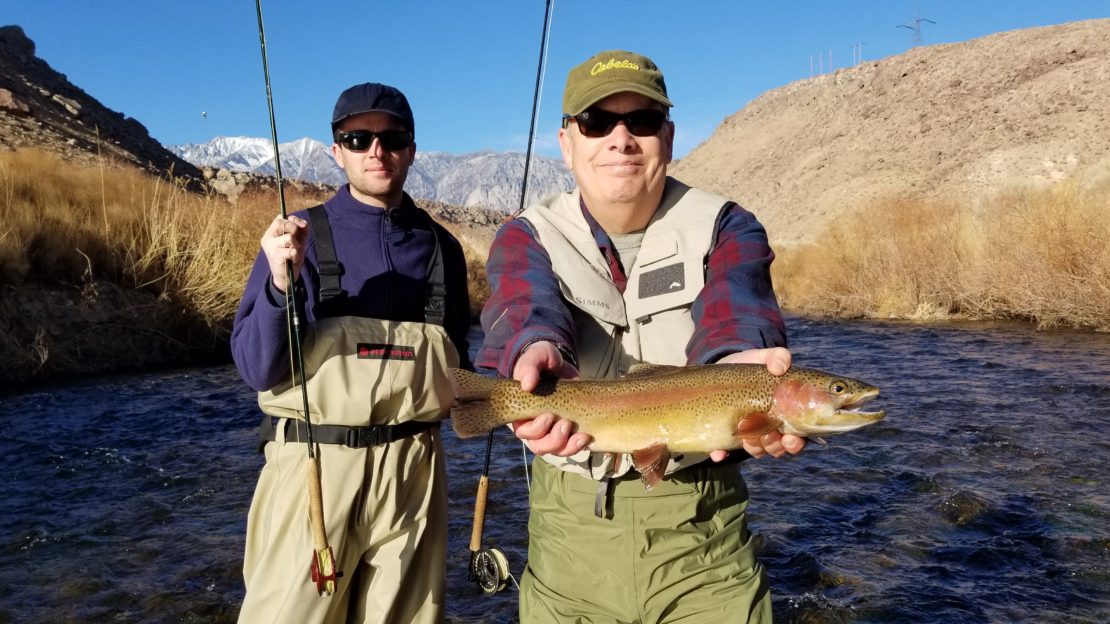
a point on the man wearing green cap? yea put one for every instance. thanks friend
(632, 266)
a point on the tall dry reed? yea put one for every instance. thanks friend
(1038, 256)
(65, 225)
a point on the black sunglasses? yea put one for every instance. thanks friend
(595, 122)
(361, 140)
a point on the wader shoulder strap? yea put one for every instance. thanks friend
(437, 291)
(326, 261)
(329, 269)
(436, 295)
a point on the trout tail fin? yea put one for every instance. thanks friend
(473, 414)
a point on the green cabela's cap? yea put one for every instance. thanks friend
(613, 71)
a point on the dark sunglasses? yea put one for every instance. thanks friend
(361, 140)
(595, 122)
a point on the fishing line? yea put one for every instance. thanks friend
(489, 567)
(322, 568)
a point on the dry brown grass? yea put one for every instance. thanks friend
(476, 281)
(71, 225)
(107, 267)
(1039, 256)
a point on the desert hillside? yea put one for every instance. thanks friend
(963, 121)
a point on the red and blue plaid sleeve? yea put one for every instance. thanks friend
(525, 304)
(736, 309)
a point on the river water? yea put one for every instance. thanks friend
(982, 498)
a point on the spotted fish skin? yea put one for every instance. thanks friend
(679, 409)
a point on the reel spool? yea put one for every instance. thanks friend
(490, 569)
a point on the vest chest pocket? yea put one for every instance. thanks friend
(664, 284)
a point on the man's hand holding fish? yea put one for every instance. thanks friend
(777, 360)
(546, 433)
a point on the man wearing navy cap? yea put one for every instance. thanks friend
(384, 297)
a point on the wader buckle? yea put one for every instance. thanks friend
(362, 437)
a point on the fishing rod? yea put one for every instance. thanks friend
(323, 570)
(488, 566)
(548, 10)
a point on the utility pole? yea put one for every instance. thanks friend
(916, 28)
(857, 53)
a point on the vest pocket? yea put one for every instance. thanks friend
(663, 286)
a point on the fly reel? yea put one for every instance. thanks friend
(490, 569)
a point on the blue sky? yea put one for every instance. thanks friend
(469, 66)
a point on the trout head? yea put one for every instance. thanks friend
(815, 403)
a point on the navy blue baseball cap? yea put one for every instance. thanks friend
(372, 97)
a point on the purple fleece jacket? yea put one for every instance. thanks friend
(384, 259)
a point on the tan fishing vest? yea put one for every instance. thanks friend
(651, 321)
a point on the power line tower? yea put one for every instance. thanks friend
(916, 28)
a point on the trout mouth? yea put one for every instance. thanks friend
(852, 407)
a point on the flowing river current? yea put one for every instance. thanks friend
(983, 497)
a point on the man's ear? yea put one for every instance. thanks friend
(668, 141)
(565, 148)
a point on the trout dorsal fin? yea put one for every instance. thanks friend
(651, 462)
(644, 369)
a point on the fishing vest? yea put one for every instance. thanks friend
(651, 321)
(364, 372)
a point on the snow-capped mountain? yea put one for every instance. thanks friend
(485, 179)
(303, 159)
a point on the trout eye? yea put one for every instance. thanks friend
(837, 387)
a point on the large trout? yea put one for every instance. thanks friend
(656, 410)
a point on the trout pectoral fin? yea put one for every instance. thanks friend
(754, 425)
(651, 462)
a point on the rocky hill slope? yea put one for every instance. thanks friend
(40, 108)
(961, 120)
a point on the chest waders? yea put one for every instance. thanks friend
(369, 382)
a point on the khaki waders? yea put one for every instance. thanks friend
(683, 548)
(385, 502)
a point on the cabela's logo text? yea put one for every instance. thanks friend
(613, 64)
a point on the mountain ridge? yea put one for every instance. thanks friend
(484, 179)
